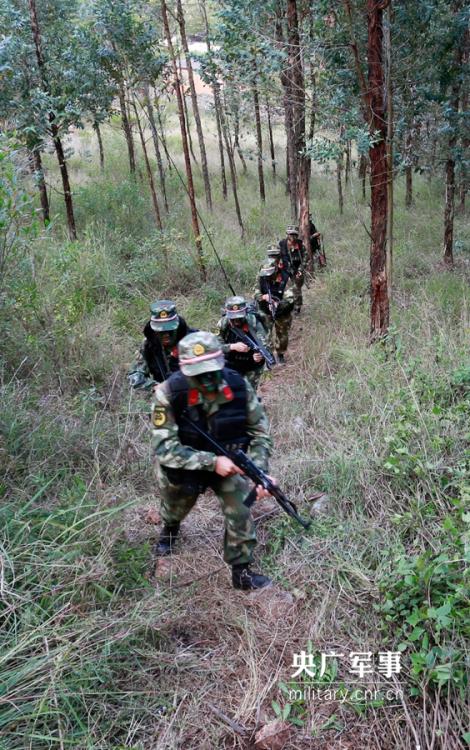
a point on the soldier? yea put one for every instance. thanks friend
(294, 256)
(221, 401)
(315, 243)
(238, 354)
(158, 355)
(276, 304)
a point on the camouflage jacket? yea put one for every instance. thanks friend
(173, 454)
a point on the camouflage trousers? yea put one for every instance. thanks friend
(253, 377)
(297, 292)
(279, 333)
(240, 534)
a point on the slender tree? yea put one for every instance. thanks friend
(184, 139)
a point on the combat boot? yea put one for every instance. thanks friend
(280, 359)
(166, 542)
(247, 580)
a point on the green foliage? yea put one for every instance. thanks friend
(426, 600)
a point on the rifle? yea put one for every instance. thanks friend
(272, 304)
(253, 472)
(256, 346)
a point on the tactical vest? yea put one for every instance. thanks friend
(292, 255)
(277, 289)
(227, 425)
(242, 362)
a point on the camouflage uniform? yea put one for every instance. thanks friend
(185, 472)
(237, 315)
(156, 360)
(273, 279)
(295, 257)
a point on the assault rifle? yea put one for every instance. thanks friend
(253, 472)
(256, 346)
(273, 303)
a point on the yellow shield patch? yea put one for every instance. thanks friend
(159, 417)
(198, 349)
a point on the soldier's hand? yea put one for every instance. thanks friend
(258, 357)
(261, 492)
(225, 467)
(265, 297)
(239, 347)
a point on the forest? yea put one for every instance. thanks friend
(154, 150)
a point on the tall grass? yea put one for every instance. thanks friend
(95, 656)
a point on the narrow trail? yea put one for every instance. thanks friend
(232, 649)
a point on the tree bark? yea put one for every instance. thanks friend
(236, 141)
(197, 117)
(271, 140)
(126, 126)
(217, 106)
(291, 162)
(158, 154)
(302, 161)
(41, 183)
(233, 173)
(186, 113)
(53, 126)
(65, 181)
(259, 143)
(363, 174)
(156, 208)
(347, 168)
(379, 312)
(389, 145)
(339, 169)
(184, 138)
(97, 130)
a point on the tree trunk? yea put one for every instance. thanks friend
(186, 112)
(339, 169)
(156, 208)
(259, 143)
(236, 141)
(53, 127)
(347, 169)
(65, 181)
(126, 126)
(97, 130)
(363, 174)
(271, 140)
(41, 183)
(291, 162)
(302, 161)
(184, 138)
(389, 104)
(217, 106)
(379, 311)
(151, 118)
(233, 173)
(197, 117)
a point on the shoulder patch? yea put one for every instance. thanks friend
(158, 416)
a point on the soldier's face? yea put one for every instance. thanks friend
(209, 382)
(167, 338)
(238, 322)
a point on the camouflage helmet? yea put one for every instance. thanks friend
(292, 229)
(274, 251)
(236, 307)
(200, 352)
(163, 316)
(268, 269)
